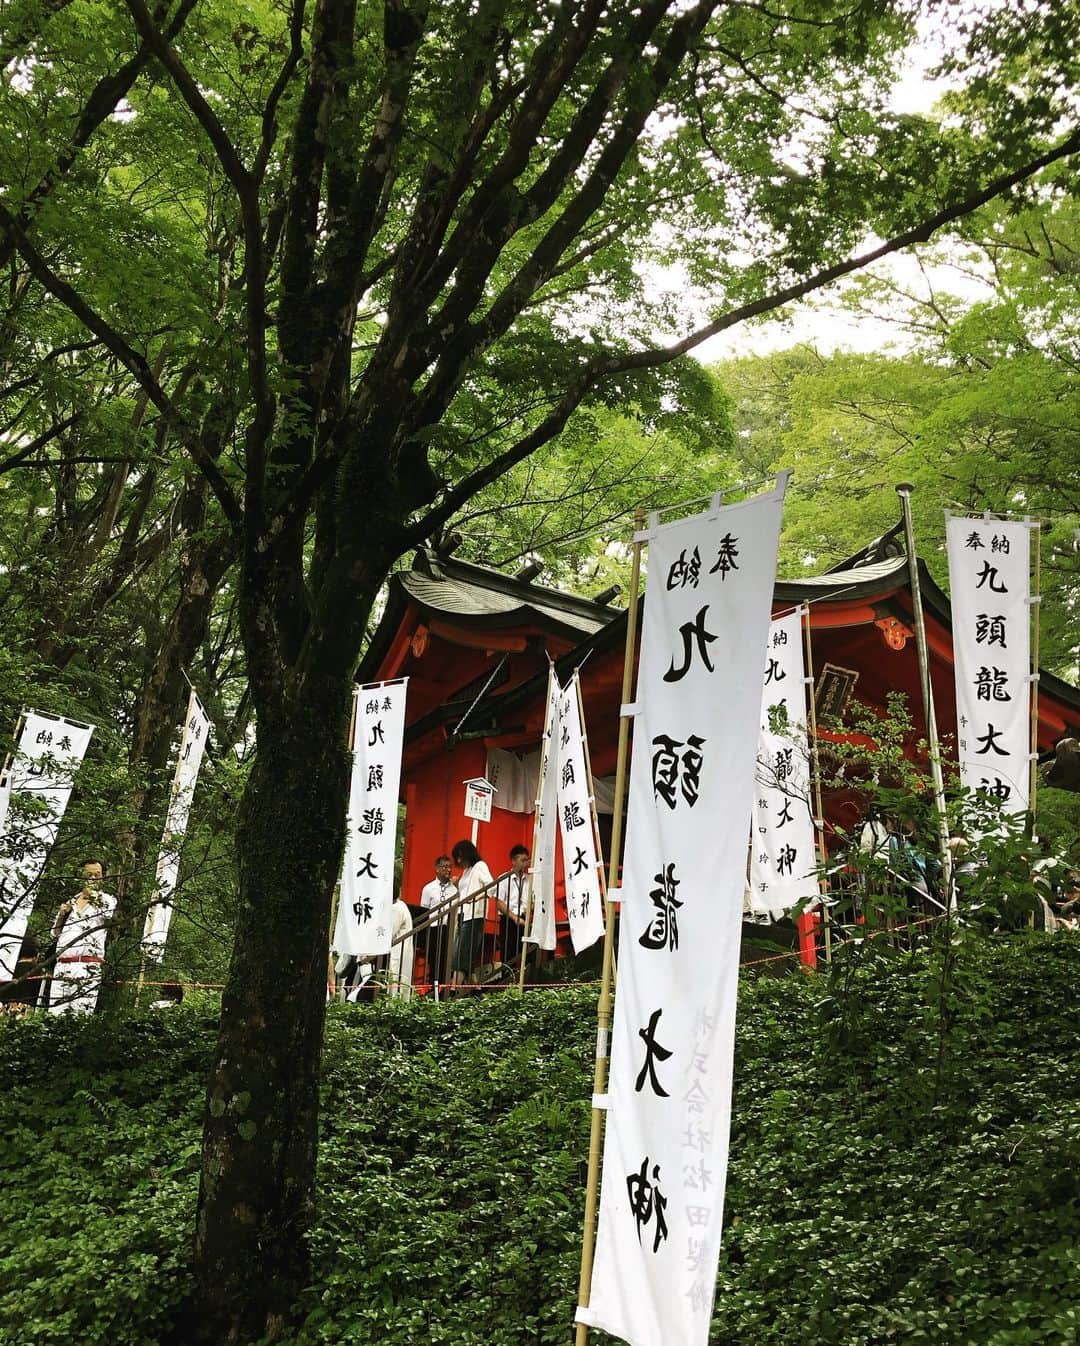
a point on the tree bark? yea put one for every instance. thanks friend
(261, 1119)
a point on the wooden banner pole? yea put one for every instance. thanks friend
(904, 491)
(815, 768)
(603, 1013)
(1036, 611)
(545, 767)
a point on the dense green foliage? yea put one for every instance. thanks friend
(867, 1200)
(977, 405)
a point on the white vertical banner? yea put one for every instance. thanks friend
(695, 729)
(783, 858)
(542, 927)
(48, 758)
(193, 738)
(990, 578)
(365, 906)
(581, 860)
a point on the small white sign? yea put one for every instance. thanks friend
(478, 799)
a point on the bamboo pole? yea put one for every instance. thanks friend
(1036, 614)
(815, 769)
(541, 775)
(904, 491)
(603, 1012)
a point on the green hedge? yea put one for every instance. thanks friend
(869, 1201)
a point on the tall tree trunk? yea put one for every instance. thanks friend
(161, 704)
(261, 1120)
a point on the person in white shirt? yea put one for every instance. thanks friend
(434, 895)
(79, 930)
(511, 898)
(400, 966)
(475, 876)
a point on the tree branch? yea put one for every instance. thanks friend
(130, 358)
(921, 233)
(467, 487)
(102, 103)
(246, 186)
(19, 459)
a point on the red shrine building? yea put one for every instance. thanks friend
(475, 645)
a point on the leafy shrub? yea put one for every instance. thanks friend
(865, 1204)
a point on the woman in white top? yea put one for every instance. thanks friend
(79, 930)
(475, 876)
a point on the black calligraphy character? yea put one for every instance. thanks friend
(567, 777)
(572, 816)
(989, 741)
(786, 859)
(665, 768)
(362, 909)
(584, 905)
(691, 632)
(647, 1201)
(974, 541)
(663, 929)
(387, 703)
(990, 630)
(377, 735)
(692, 762)
(375, 776)
(779, 638)
(580, 864)
(65, 744)
(372, 707)
(1000, 543)
(44, 737)
(774, 673)
(988, 575)
(187, 751)
(991, 685)
(785, 813)
(367, 869)
(564, 735)
(652, 1049)
(373, 822)
(725, 556)
(782, 767)
(684, 572)
(763, 857)
(996, 789)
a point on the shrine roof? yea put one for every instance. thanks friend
(856, 581)
(458, 589)
(477, 597)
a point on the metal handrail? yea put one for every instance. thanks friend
(451, 902)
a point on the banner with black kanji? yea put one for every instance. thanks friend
(581, 857)
(990, 578)
(366, 900)
(695, 730)
(40, 781)
(193, 737)
(783, 859)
